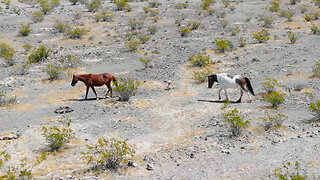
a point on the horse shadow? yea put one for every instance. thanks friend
(88, 99)
(221, 102)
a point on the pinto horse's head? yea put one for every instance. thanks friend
(74, 80)
(211, 79)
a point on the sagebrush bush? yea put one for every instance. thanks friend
(236, 121)
(273, 120)
(201, 76)
(21, 172)
(200, 60)
(93, 5)
(261, 36)
(61, 27)
(289, 171)
(270, 85)
(122, 5)
(135, 24)
(316, 70)
(152, 29)
(268, 22)
(57, 136)
(287, 14)
(224, 45)
(132, 44)
(109, 154)
(41, 54)
(6, 100)
(292, 37)
(274, 6)
(308, 17)
(54, 71)
(37, 16)
(7, 53)
(205, 4)
(317, 2)
(45, 6)
(154, 4)
(234, 31)
(105, 16)
(182, 5)
(184, 31)
(126, 88)
(242, 41)
(25, 29)
(315, 29)
(315, 108)
(4, 157)
(70, 61)
(146, 62)
(275, 98)
(194, 24)
(76, 32)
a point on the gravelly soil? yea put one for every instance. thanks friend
(179, 131)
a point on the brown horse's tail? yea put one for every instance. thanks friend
(249, 86)
(114, 80)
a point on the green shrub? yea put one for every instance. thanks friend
(315, 108)
(287, 14)
(144, 38)
(242, 42)
(154, 4)
(205, 4)
(261, 36)
(274, 6)
(45, 6)
(226, 3)
(126, 88)
(54, 71)
(303, 10)
(133, 44)
(104, 16)
(316, 70)
(236, 122)
(293, 37)
(70, 61)
(25, 29)
(57, 136)
(275, 98)
(7, 53)
(4, 157)
(194, 24)
(201, 76)
(200, 60)
(270, 85)
(7, 3)
(122, 5)
(224, 45)
(93, 5)
(317, 2)
(61, 27)
(308, 17)
(37, 16)
(109, 154)
(74, 2)
(146, 62)
(54, 3)
(152, 29)
(5, 100)
(289, 171)
(315, 29)
(22, 172)
(268, 22)
(182, 5)
(271, 121)
(184, 31)
(135, 24)
(234, 31)
(76, 32)
(293, 2)
(39, 55)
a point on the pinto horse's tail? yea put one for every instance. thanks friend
(249, 86)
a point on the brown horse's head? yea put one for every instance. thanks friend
(74, 80)
(211, 79)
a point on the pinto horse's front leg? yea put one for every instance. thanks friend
(239, 100)
(220, 93)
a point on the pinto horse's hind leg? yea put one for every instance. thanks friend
(94, 92)
(225, 91)
(219, 93)
(239, 100)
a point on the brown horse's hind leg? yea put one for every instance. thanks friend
(94, 92)
(87, 92)
(109, 89)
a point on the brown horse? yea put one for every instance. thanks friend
(91, 80)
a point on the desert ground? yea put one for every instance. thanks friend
(180, 132)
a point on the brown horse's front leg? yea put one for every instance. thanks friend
(87, 92)
(94, 92)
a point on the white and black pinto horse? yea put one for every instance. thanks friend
(228, 81)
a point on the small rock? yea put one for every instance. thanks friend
(225, 151)
(149, 167)
(132, 164)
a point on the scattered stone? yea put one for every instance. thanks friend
(225, 151)
(149, 167)
(63, 109)
(132, 164)
(169, 85)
